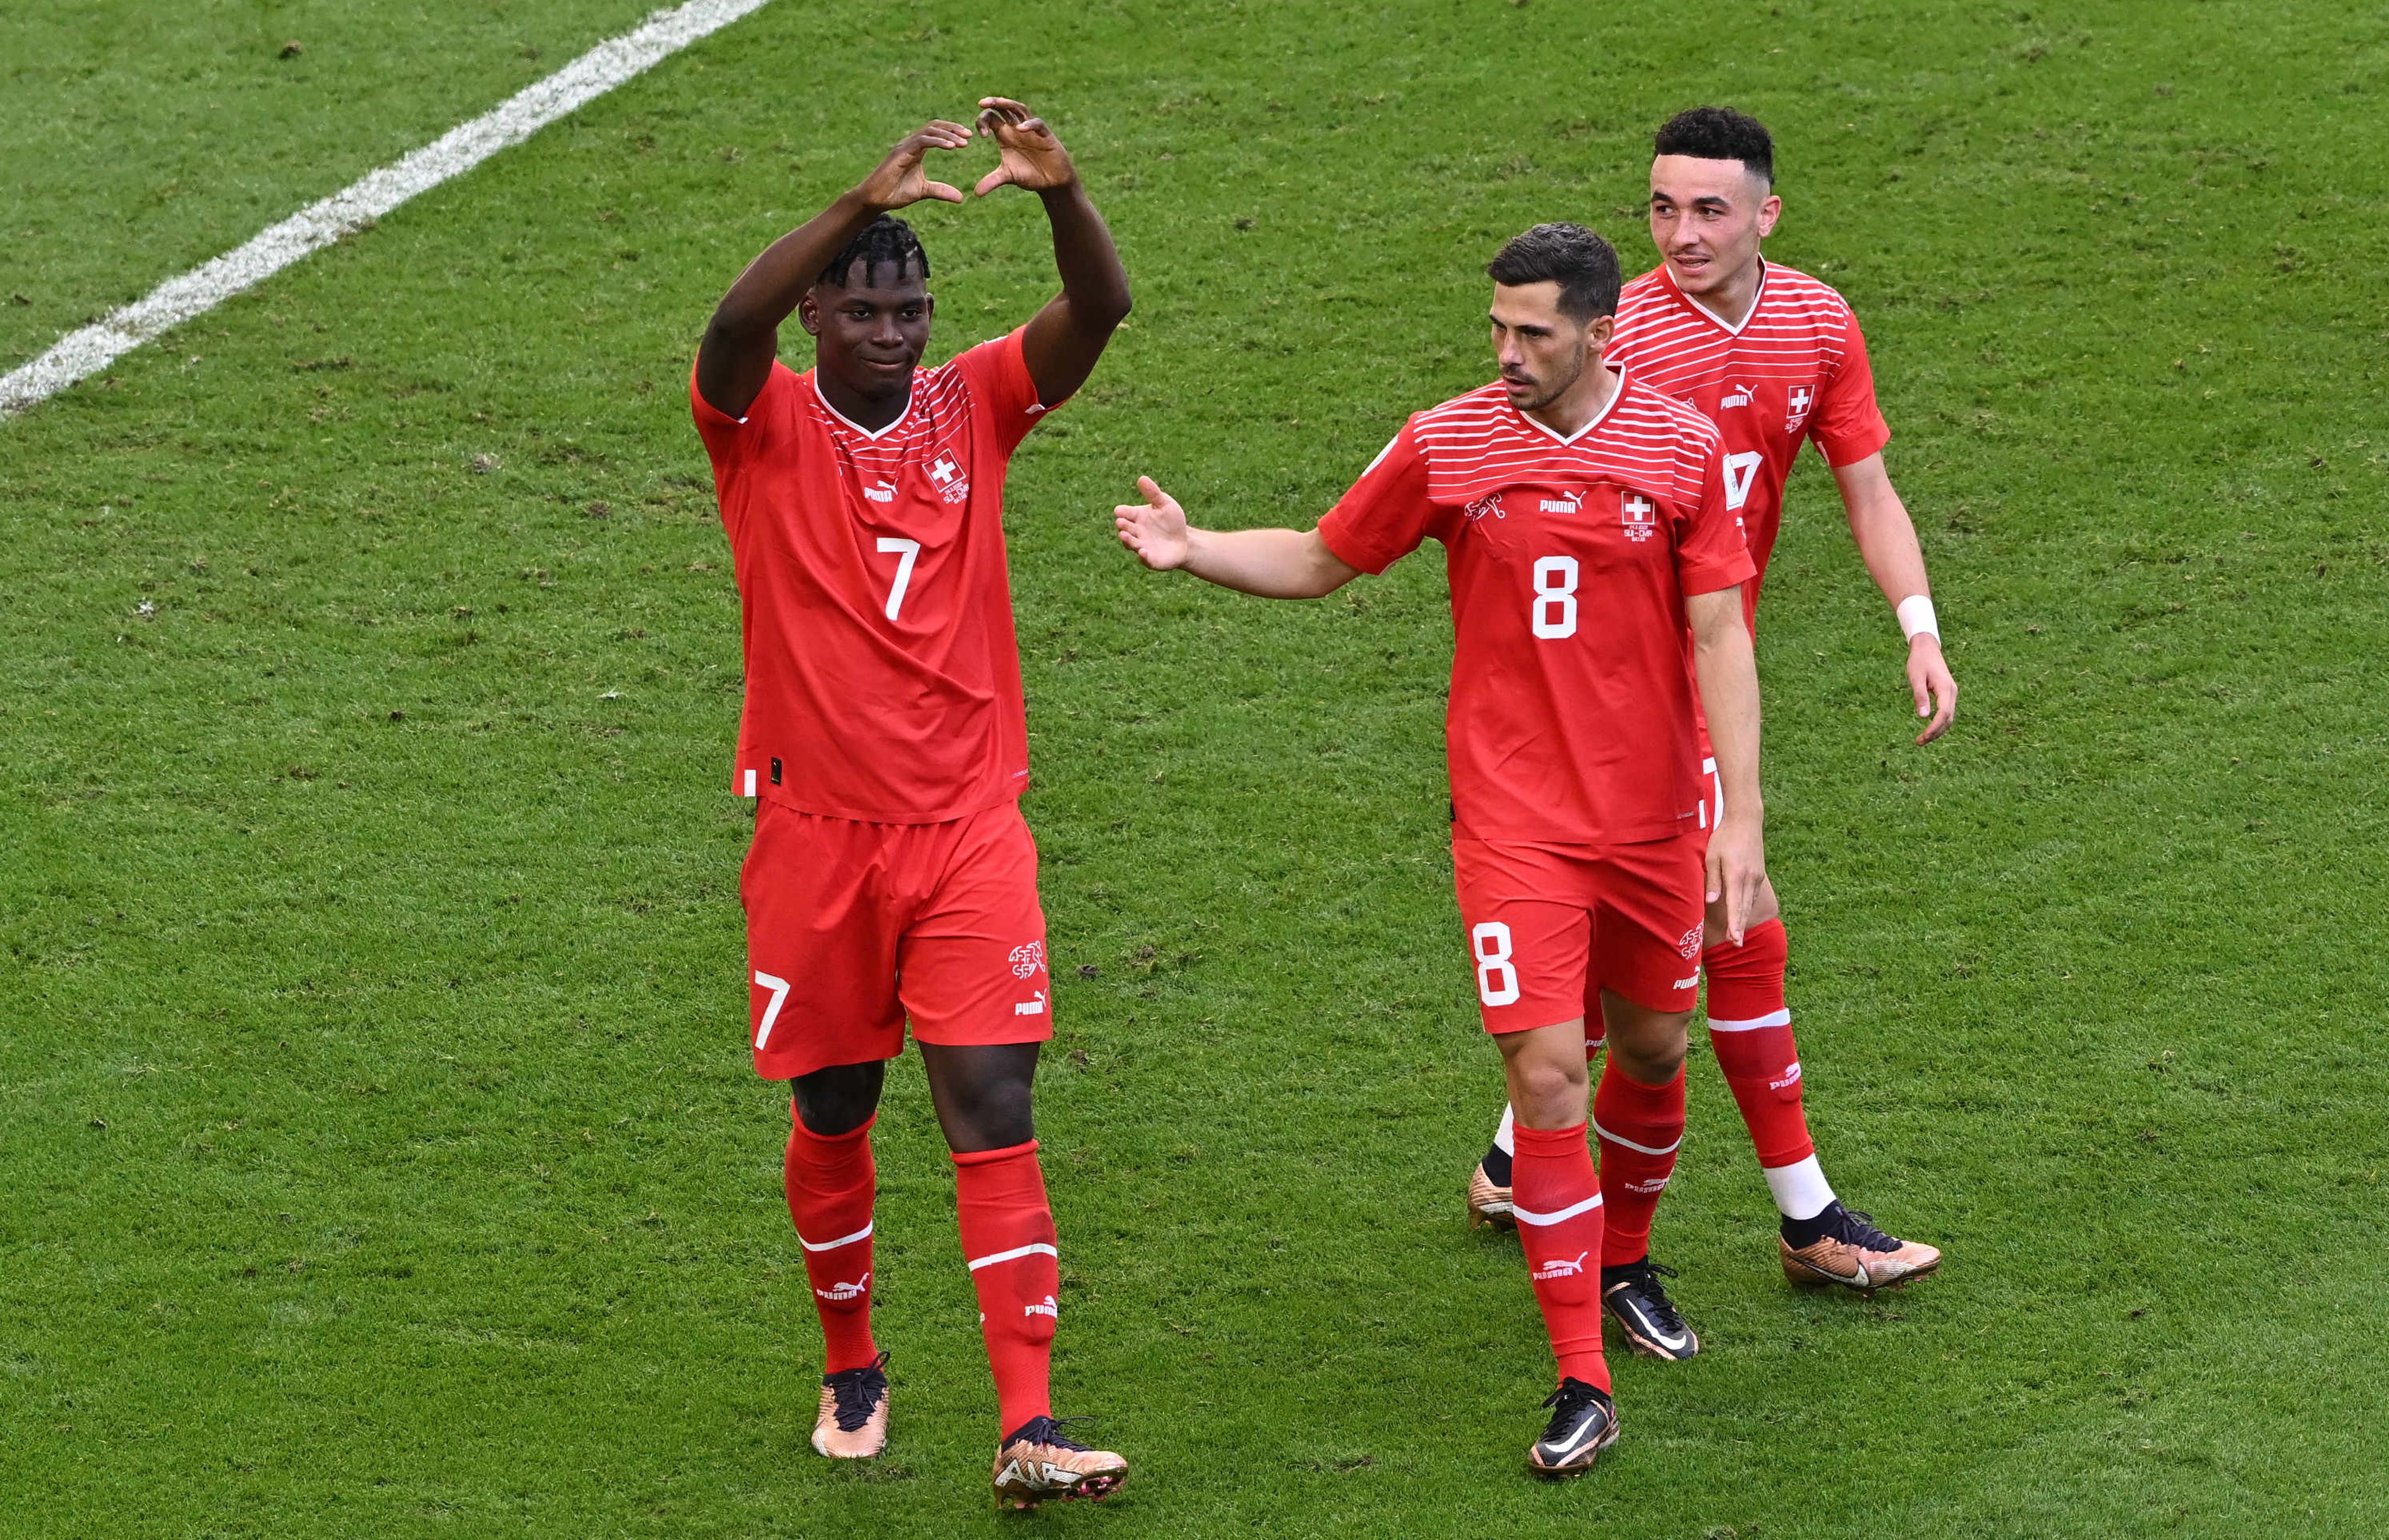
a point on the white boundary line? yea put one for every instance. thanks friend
(79, 355)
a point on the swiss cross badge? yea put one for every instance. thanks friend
(1638, 514)
(946, 475)
(1796, 409)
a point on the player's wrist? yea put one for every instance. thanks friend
(1917, 619)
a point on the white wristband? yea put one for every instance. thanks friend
(1915, 614)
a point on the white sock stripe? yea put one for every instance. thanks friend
(1528, 1216)
(1503, 1138)
(862, 1233)
(79, 355)
(1663, 1150)
(1017, 1251)
(1772, 1019)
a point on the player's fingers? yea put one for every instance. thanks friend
(1715, 875)
(1005, 105)
(992, 180)
(944, 194)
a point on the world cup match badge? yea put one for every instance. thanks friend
(1638, 514)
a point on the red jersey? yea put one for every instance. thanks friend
(1571, 712)
(1795, 369)
(883, 681)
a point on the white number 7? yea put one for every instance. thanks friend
(779, 988)
(903, 568)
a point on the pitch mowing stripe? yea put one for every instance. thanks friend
(79, 355)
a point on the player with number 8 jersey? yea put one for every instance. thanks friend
(1584, 521)
(891, 881)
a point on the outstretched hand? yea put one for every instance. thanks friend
(1156, 529)
(902, 179)
(1930, 681)
(1032, 157)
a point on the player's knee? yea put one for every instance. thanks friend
(1549, 1094)
(839, 1100)
(996, 1114)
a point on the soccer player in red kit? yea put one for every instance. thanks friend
(891, 877)
(1775, 359)
(1585, 521)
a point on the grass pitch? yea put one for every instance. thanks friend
(381, 1154)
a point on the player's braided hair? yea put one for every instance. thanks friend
(1719, 134)
(1584, 266)
(885, 239)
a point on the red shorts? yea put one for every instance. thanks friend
(1551, 926)
(853, 927)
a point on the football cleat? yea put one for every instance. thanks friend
(1486, 1203)
(854, 1420)
(1638, 1301)
(1038, 1465)
(1856, 1256)
(1584, 1423)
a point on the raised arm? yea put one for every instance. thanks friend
(742, 340)
(1728, 673)
(1276, 564)
(1067, 336)
(1886, 540)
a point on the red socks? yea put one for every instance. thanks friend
(1008, 1238)
(1557, 1199)
(831, 1181)
(1750, 1029)
(1641, 1127)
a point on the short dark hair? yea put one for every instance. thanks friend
(885, 239)
(1719, 134)
(1584, 266)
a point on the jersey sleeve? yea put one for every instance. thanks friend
(732, 443)
(1388, 512)
(1848, 426)
(998, 375)
(1711, 552)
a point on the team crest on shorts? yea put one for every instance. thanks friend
(1689, 945)
(1641, 518)
(1026, 959)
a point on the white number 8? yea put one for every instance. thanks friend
(1555, 585)
(1496, 981)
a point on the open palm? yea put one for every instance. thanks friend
(1031, 157)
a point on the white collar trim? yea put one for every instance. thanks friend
(1598, 417)
(897, 421)
(1756, 300)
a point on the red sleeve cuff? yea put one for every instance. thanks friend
(1349, 550)
(705, 411)
(1707, 577)
(1839, 452)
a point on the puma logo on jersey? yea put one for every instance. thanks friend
(840, 1292)
(1739, 396)
(1569, 503)
(884, 492)
(1796, 409)
(1032, 1008)
(1638, 515)
(1561, 1267)
(1047, 1308)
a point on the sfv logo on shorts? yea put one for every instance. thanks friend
(1032, 1008)
(840, 1292)
(1048, 1308)
(1640, 516)
(1560, 1267)
(1026, 958)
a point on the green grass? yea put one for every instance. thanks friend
(382, 1152)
